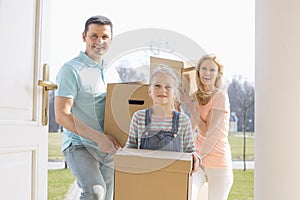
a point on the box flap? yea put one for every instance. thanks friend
(122, 100)
(177, 66)
(135, 82)
(185, 70)
(142, 161)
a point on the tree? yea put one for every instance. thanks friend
(241, 96)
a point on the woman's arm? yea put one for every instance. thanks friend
(191, 106)
(211, 130)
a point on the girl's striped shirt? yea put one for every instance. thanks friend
(137, 127)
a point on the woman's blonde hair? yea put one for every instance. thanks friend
(203, 96)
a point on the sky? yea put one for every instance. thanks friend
(223, 27)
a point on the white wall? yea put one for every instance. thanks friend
(277, 149)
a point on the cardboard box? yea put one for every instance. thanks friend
(148, 175)
(186, 71)
(122, 100)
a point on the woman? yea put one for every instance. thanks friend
(210, 112)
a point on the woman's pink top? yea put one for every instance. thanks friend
(215, 149)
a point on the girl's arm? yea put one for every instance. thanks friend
(132, 140)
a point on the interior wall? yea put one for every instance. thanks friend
(277, 163)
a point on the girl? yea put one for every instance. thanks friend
(161, 127)
(210, 111)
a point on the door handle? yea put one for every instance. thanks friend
(47, 85)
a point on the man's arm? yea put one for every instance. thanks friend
(65, 118)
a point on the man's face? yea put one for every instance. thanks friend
(97, 39)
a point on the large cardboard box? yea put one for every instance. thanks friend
(152, 175)
(186, 71)
(122, 100)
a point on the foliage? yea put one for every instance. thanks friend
(242, 96)
(53, 126)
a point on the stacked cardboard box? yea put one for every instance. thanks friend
(122, 100)
(186, 71)
(144, 174)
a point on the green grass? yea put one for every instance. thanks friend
(243, 185)
(59, 182)
(54, 146)
(236, 141)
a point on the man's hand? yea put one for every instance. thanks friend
(115, 142)
(107, 144)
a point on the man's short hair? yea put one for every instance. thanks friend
(98, 19)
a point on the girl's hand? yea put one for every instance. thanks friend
(196, 162)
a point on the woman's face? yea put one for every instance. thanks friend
(162, 89)
(208, 72)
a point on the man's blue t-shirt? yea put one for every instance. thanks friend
(82, 80)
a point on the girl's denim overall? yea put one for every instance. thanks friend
(162, 140)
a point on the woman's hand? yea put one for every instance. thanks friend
(185, 99)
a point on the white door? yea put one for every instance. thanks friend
(23, 138)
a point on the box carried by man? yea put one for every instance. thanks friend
(122, 100)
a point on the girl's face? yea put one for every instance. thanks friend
(208, 72)
(162, 89)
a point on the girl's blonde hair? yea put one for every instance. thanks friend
(203, 96)
(163, 69)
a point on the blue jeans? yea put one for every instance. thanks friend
(93, 171)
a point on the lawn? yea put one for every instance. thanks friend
(59, 181)
(235, 140)
(243, 185)
(236, 144)
(54, 146)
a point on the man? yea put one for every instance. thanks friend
(79, 108)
